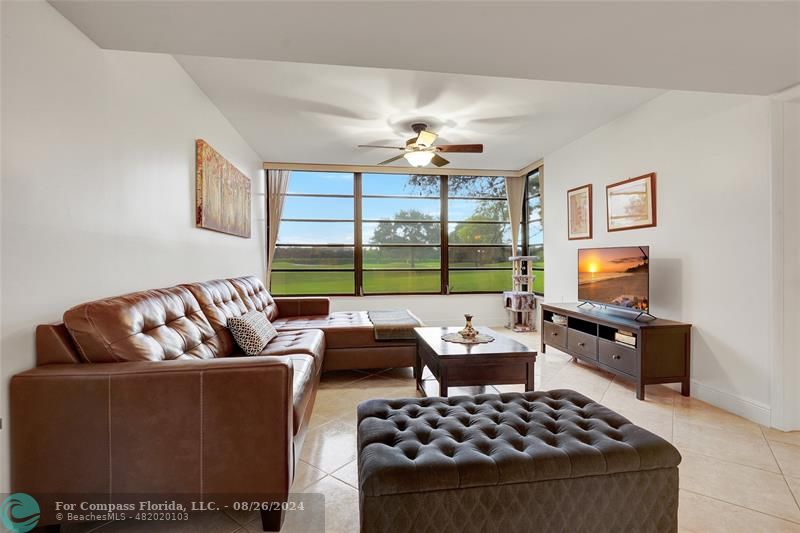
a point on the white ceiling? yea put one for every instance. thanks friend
(303, 113)
(723, 46)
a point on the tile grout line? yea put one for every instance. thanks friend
(779, 441)
(608, 387)
(744, 466)
(333, 474)
(783, 474)
(673, 423)
(740, 506)
(695, 452)
(302, 491)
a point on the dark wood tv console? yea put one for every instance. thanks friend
(661, 355)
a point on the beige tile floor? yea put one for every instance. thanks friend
(735, 475)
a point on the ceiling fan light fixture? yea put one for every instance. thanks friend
(419, 159)
(419, 151)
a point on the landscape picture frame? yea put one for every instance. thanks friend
(579, 213)
(631, 203)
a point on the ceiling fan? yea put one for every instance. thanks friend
(419, 150)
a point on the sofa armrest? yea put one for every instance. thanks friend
(303, 306)
(205, 427)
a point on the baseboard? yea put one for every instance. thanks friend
(749, 409)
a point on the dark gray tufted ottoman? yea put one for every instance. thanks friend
(538, 461)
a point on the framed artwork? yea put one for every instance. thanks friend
(223, 193)
(579, 213)
(631, 204)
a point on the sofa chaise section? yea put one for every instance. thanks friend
(349, 335)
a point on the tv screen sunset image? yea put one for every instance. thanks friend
(615, 276)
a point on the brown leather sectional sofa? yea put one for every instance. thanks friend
(144, 393)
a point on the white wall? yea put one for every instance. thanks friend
(98, 180)
(433, 310)
(711, 251)
(786, 267)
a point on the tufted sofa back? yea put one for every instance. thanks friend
(154, 325)
(255, 296)
(219, 300)
(187, 321)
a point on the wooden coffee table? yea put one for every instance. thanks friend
(500, 362)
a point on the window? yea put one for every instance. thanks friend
(401, 231)
(315, 252)
(372, 233)
(535, 228)
(479, 234)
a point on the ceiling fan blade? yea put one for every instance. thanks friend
(439, 161)
(395, 158)
(426, 138)
(380, 146)
(464, 148)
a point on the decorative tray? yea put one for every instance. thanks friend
(480, 338)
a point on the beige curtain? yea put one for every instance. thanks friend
(515, 193)
(277, 185)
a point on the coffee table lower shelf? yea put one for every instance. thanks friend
(429, 387)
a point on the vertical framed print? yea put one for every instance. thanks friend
(222, 194)
(579, 213)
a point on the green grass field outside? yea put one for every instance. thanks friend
(380, 282)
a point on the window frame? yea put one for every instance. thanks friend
(482, 245)
(539, 172)
(354, 246)
(444, 238)
(360, 224)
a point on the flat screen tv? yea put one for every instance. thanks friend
(619, 277)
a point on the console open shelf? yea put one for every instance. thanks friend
(660, 352)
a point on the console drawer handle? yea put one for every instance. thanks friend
(581, 344)
(616, 357)
(555, 334)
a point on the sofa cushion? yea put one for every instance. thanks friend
(308, 341)
(303, 382)
(154, 325)
(219, 301)
(252, 331)
(255, 295)
(343, 329)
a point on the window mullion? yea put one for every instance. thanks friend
(444, 238)
(526, 218)
(358, 238)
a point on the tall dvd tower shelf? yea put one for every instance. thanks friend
(521, 302)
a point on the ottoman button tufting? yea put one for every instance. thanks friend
(591, 470)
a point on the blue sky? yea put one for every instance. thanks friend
(373, 208)
(302, 207)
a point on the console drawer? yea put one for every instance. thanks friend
(620, 357)
(555, 335)
(581, 343)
